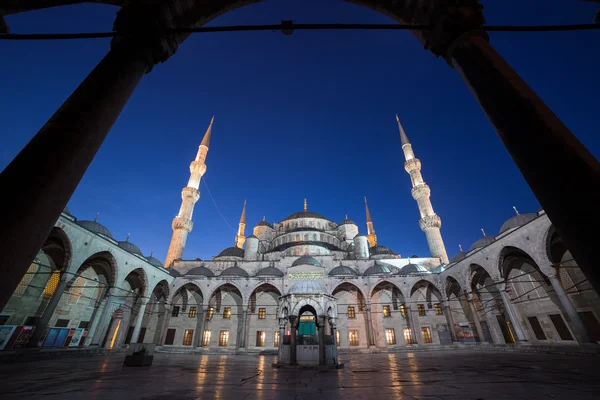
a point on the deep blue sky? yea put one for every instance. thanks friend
(308, 115)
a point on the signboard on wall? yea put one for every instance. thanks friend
(77, 337)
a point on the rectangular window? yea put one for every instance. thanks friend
(351, 313)
(421, 309)
(187, 337)
(386, 311)
(276, 339)
(83, 324)
(408, 336)
(438, 309)
(262, 313)
(390, 336)
(537, 328)
(175, 311)
(223, 338)
(337, 337)
(206, 338)
(210, 313)
(260, 338)
(61, 323)
(561, 327)
(227, 312)
(170, 336)
(353, 337)
(403, 311)
(4, 319)
(192, 313)
(589, 322)
(426, 332)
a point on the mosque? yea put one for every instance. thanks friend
(305, 282)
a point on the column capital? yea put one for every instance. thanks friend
(502, 286)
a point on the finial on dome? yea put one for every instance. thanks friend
(151, 253)
(96, 218)
(346, 216)
(128, 236)
(516, 211)
(305, 206)
(482, 231)
(265, 218)
(460, 248)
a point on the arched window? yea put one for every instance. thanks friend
(76, 290)
(297, 238)
(52, 284)
(566, 281)
(27, 278)
(306, 237)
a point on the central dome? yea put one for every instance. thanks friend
(306, 214)
(307, 287)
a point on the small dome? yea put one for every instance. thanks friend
(174, 273)
(360, 235)
(264, 223)
(200, 271)
(154, 261)
(516, 221)
(95, 227)
(66, 210)
(269, 271)
(484, 241)
(377, 249)
(235, 271)
(252, 237)
(346, 222)
(459, 257)
(411, 269)
(130, 247)
(380, 269)
(305, 214)
(306, 260)
(439, 269)
(307, 287)
(232, 252)
(342, 270)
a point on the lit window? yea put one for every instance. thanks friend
(224, 338)
(386, 311)
(206, 338)
(187, 337)
(403, 311)
(52, 283)
(390, 336)
(227, 312)
(408, 336)
(210, 313)
(351, 313)
(276, 339)
(262, 313)
(426, 335)
(421, 309)
(26, 280)
(260, 338)
(192, 313)
(175, 311)
(337, 337)
(438, 309)
(353, 337)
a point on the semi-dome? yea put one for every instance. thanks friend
(174, 273)
(235, 271)
(130, 247)
(377, 249)
(516, 221)
(95, 227)
(347, 221)
(342, 270)
(380, 269)
(410, 269)
(459, 257)
(484, 241)
(305, 214)
(264, 223)
(269, 271)
(307, 287)
(306, 260)
(232, 252)
(154, 261)
(200, 271)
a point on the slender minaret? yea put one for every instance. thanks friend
(182, 223)
(240, 238)
(371, 236)
(430, 223)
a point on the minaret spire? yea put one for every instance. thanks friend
(305, 206)
(430, 223)
(371, 236)
(182, 223)
(240, 238)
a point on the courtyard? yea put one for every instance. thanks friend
(422, 375)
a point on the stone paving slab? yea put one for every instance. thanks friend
(433, 375)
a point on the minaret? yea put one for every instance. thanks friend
(430, 223)
(240, 238)
(182, 223)
(371, 236)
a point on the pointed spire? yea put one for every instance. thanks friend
(305, 206)
(346, 216)
(97, 215)
(516, 211)
(482, 231)
(460, 248)
(368, 212)
(151, 253)
(265, 218)
(206, 138)
(403, 137)
(243, 217)
(128, 236)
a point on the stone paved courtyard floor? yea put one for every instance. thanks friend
(423, 375)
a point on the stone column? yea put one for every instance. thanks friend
(512, 313)
(102, 322)
(294, 326)
(370, 335)
(475, 317)
(163, 324)
(411, 324)
(568, 307)
(242, 338)
(282, 323)
(42, 324)
(334, 335)
(117, 323)
(44, 175)
(449, 319)
(138, 321)
(322, 327)
(96, 323)
(200, 326)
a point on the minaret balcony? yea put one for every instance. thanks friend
(190, 193)
(198, 168)
(412, 165)
(182, 223)
(430, 221)
(420, 191)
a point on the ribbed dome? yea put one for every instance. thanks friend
(307, 287)
(410, 269)
(235, 271)
(380, 269)
(232, 252)
(516, 221)
(377, 249)
(342, 270)
(305, 214)
(306, 260)
(484, 241)
(346, 222)
(200, 271)
(95, 227)
(459, 257)
(269, 271)
(154, 261)
(130, 247)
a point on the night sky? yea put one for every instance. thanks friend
(308, 115)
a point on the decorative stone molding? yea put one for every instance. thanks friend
(420, 191)
(430, 221)
(412, 165)
(181, 223)
(190, 193)
(198, 167)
